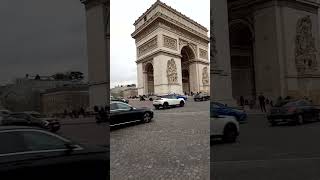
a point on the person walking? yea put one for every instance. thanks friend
(262, 103)
(241, 101)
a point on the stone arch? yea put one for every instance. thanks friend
(241, 36)
(149, 78)
(187, 55)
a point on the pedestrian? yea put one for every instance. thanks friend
(262, 103)
(241, 101)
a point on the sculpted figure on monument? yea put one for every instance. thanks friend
(305, 51)
(172, 72)
(205, 76)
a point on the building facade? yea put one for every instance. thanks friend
(69, 98)
(172, 52)
(265, 46)
(24, 93)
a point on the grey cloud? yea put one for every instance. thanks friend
(41, 36)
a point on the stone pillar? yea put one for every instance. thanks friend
(221, 84)
(98, 42)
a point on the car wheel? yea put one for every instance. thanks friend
(230, 133)
(181, 103)
(300, 119)
(166, 105)
(146, 117)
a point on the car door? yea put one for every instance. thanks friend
(49, 154)
(126, 113)
(216, 124)
(114, 114)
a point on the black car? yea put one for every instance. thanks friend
(33, 153)
(201, 97)
(35, 119)
(122, 113)
(295, 111)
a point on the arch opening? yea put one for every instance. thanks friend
(242, 61)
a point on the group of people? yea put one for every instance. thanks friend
(74, 113)
(263, 101)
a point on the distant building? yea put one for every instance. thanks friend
(56, 100)
(123, 90)
(130, 92)
(24, 93)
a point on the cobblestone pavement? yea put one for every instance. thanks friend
(175, 145)
(85, 130)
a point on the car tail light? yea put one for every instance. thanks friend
(291, 109)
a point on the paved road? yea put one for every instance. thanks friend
(85, 130)
(174, 146)
(269, 153)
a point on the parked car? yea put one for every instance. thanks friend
(36, 119)
(222, 109)
(201, 97)
(122, 113)
(223, 127)
(295, 111)
(33, 153)
(168, 101)
(119, 99)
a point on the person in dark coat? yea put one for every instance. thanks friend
(262, 103)
(241, 101)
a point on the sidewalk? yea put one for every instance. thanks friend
(255, 111)
(76, 121)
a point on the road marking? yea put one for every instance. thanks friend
(264, 160)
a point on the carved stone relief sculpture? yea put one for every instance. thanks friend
(172, 72)
(148, 46)
(205, 76)
(203, 54)
(169, 42)
(305, 50)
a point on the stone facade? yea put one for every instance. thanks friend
(278, 54)
(55, 101)
(172, 44)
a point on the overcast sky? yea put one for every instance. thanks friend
(41, 36)
(123, 14)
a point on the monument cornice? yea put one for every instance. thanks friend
(158, 2)
(304, 76)
(160, 17)
(156, 53)
(250, 5)
(92, 3)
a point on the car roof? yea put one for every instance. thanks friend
(2, 128)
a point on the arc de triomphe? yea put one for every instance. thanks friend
(172, 52)
(265, 46)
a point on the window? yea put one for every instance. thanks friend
(123, 106)
(113, 106)
(11, 142)
(145, 18)
(36, 141)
